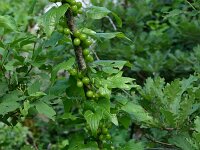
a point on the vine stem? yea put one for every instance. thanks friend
(78, 49)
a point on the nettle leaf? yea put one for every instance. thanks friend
(3, 88)
(112, 35)
(62, 66)
(45, 109)
(52, 17)
(173, 13)
(96, 12)
(8, 24)
(133, 145)
(93, 120)
(117, 81)
(137, 112)
(9, 103)
(110, 66)
(197, 124)
(33, 88)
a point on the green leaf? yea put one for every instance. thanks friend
(173, 13)
(110, 66)
(96, 12)
(8, 103)
(112, 35)
(93, 120)
(3, 88)
(33, 88)
(117, 81)
(181, 142)
(132, 145)
(52, 17)
(8, 24)
(197, 124)
(138, 113)
(64, 65)
(45, 109)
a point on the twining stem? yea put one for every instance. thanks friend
(78, 49)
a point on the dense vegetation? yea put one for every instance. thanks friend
(105, 74)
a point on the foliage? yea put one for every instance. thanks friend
(107, 75)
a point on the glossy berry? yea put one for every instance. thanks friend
(83, 37)
(79, 84)
(66, 31)
(79, 5)
(89, 58)
(104, 130)
(108, 136)
(87, 42)
(77, 42)
(86, 52)
(86, 80)
(89, 93)
(73, 72)
(74, 8)
(101, 137)
(79, 11)
(77, 33)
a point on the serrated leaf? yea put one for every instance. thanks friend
(33, 88)
(137, 112)
(110, 66)
(93, 120)
(45, 109)
(64, 65)
(112, 35)
(8, 103)
(96, 12)
(117, 81)
(52, 17)
(8, 24)
(132, 145)
(197, 124)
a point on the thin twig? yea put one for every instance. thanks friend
(191, 5)
(159, 142)
(112, 23)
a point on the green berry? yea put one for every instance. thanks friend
(79, 11)
(77, 33)
(73, 72)
(101, 137)
(74, 8)
(66, 31)
(89, 93)
(86, 52)
(79, 5)
(77, 42)
(86, 80)
(89, 58)
(79, 84)
(104, 130)
(87, 42)
(108, 136)
(83, 37)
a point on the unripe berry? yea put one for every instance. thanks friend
(79, 84)
(83, 37)
(89, 93)
(86, 52)
(86, 80)
(77, 42)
